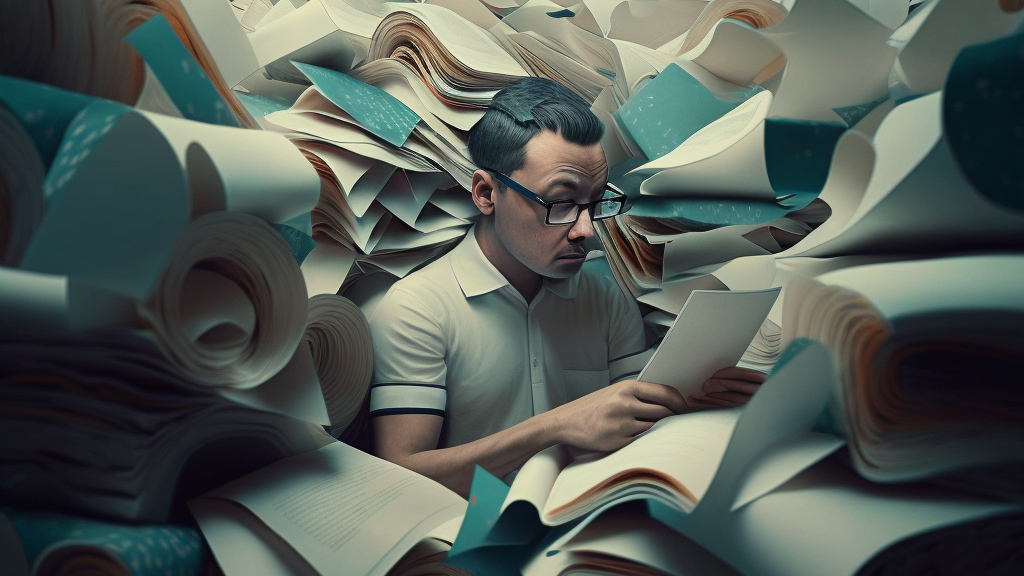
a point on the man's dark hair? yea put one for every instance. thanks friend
(521, 110)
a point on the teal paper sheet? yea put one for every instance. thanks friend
(83, 133)
(672, 107)
(379, 112)
(182, 77)
(145, 550)
(43, 110)
(983, 122)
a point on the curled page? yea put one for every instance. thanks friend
(339, 339)
(251, 317)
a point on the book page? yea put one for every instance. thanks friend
(338, 506)
(241, 543)
(710, 333)
(468, 43)
(684, 450)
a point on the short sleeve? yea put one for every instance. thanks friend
(408, 357)
(627, 347)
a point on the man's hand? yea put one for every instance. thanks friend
(727, 388)
(610, 418)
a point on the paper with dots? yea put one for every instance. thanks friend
(154, 550)
(43, 110)
(673, 106)
(87, 128)
(379, 112)
(182, 77)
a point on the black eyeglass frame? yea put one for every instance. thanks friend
(619, 198)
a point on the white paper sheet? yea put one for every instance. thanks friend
(711, 332)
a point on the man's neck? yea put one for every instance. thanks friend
(527, 282)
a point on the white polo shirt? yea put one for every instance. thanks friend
(457, 340)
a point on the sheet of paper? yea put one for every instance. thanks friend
(376, 110)
(83, 232)
(43, 305)
(349, 137)
(982, 282)
(875, 516)
(184, 80)
(732, 145)
(685, 447)
(695, 249)
(656, 121)
(844, 188)
(339, 506)
(936, 37)
(650, 23)
(308, 35)
(916, 182)
(241, 543)
(734, 51)
(223, 37)
(294, 391)
(836, 55)
(326, 267)
(378, 71)
(468, 43)
(711, 332)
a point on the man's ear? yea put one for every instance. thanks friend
(482, 189)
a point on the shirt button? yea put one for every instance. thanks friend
(535, 362)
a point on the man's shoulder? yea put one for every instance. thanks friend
(428, 287)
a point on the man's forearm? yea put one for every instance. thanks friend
(500, 453)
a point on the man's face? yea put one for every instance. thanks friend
(555, 169)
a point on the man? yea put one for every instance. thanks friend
(504, 347)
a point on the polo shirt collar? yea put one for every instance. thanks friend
(476, 275)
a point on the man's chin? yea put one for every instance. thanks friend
(564, 267)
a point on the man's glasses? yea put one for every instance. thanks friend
(565, 212)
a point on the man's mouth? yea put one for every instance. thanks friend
(574, 255)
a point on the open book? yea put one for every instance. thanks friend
(705, 462)
(335, 510)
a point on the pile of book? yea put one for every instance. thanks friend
(201, 200)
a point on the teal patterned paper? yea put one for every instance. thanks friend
(701, 214)
(182, 77)
(379, 112)
(43, 110)
(259, 105)
(671, 107)
(87, 128)
(984, 125)
(156, 550)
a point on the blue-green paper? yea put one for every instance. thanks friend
(376, 110)
(182, 77)
(672, 107)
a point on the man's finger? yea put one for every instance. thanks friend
(651, 412)
(660, 394)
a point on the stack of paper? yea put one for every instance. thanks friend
(927, 351)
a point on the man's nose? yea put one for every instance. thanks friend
(583, 228)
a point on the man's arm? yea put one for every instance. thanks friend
(604, 421)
